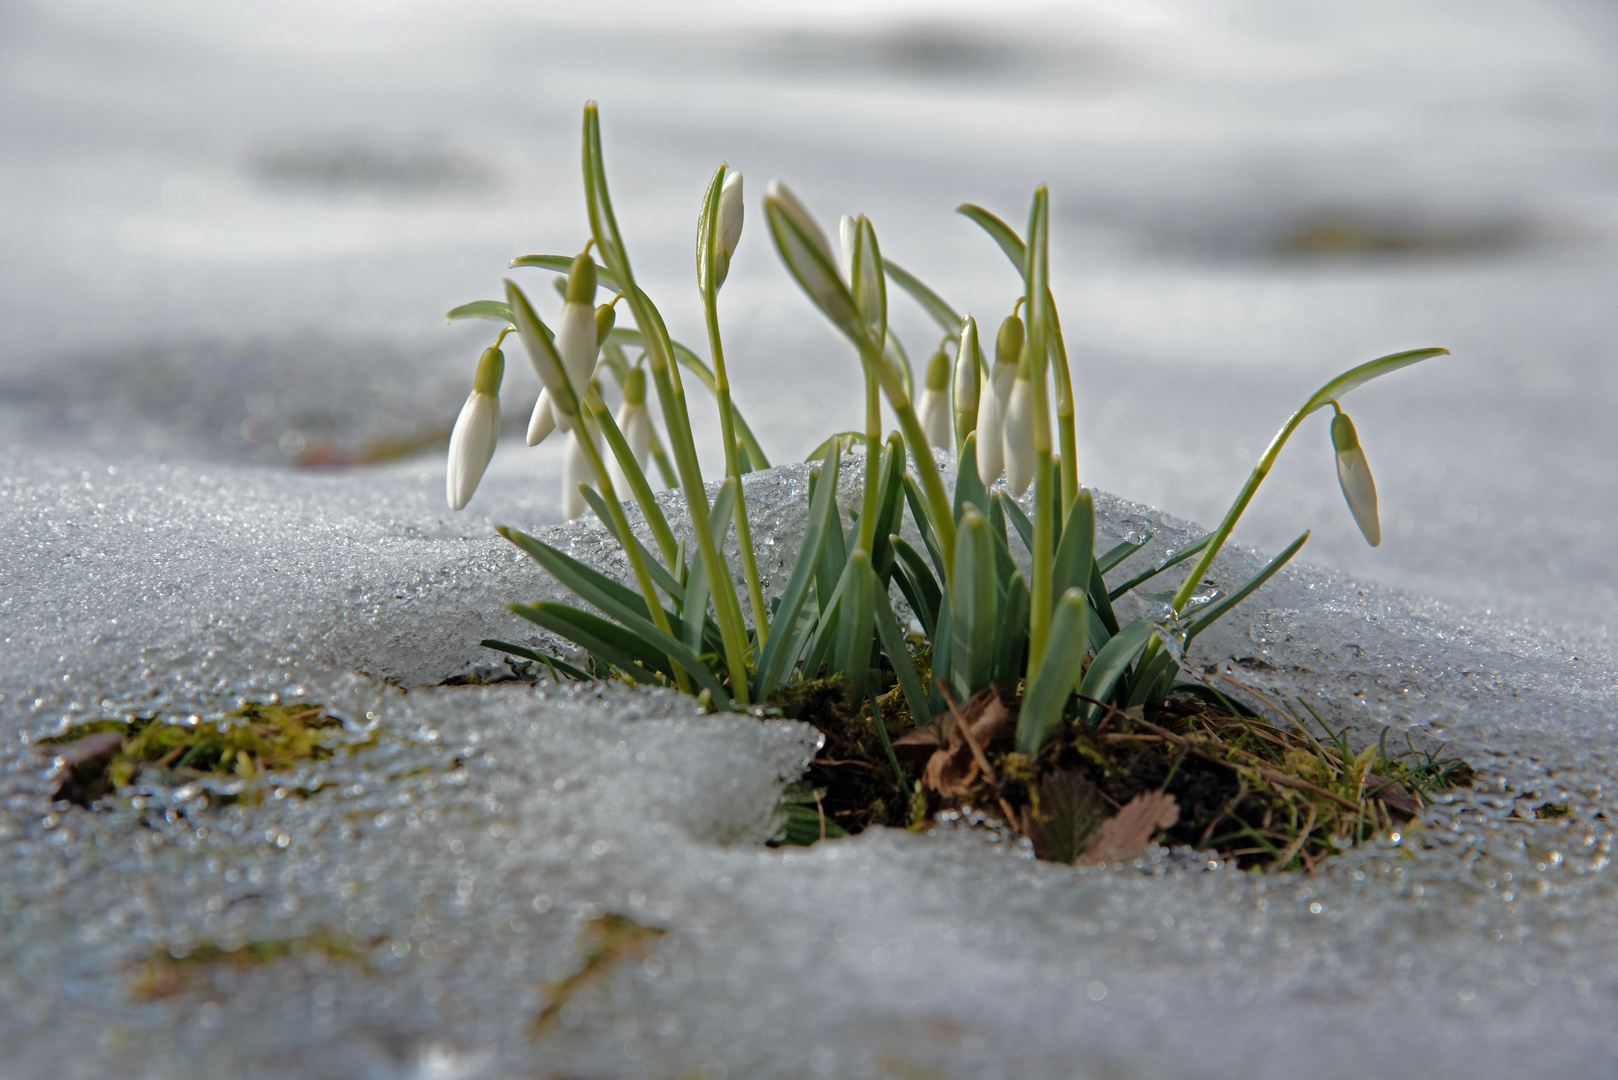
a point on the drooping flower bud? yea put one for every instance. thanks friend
(968, 360)
(606, 318)
(996, 397)
(730, 218)
(1008, 342)
(576, 470)
(808, 255)
(543, 421)
(536, 339)
(1354, 477)
(636, 425)
(932, 409)
(1018, 430)
(576, 330)
(471, 442)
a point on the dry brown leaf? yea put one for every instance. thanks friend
(953, 769)
(1124, 836)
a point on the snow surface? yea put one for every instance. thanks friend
(229, 233)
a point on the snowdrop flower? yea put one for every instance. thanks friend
(543, 421)
(869, 300)
(1017, 431)
(730, 222)
(471, 443)
(933, 407)
(807, 253)
(1354, 476)
(994, 398)
(559, 393)
(576, 470)
(576, 331)
(966, 380)
(636, 426)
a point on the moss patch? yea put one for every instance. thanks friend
(165, 975)
(105, 756)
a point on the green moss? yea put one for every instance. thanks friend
(165, 975)
(256, 739)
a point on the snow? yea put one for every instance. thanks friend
(229, 227)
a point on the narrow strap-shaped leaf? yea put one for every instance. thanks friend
(555, 663)
(826, 630)
(941, 658)
(1119, 552)
(1099, 634)
(833, 557)
(695, 364)
(650, 509)
(592, 586)
(890, 507)
(1019, 520)
(698, 589)
(931, 302)
(1111, 662)
(926, 596)
(1011, 636)
(1099, 600)
(605, 640)
(1146, 680)
(1002, 234)
(975, 610)
(968, 487)
(1004, 565)
(1175, 559)
(1206, 619)
(652, 638)
(664, 580)
(1059, 671)
(856, 625)
(924, 525)
(822, 506)
(1075, 552)
(498, 310)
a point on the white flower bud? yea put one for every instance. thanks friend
(1354, 477)
(991, 447)
(848, 233)
(808, 255)
(967, 379)
(730, 214)
(471, 442)
(1018, 435)
(576, 470)
(576, 342)
(932, 409)
(636, 425)
(543, 421)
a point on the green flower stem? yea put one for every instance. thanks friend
(620, 524)
(873, 466)
(638, 486)
(661, 456)
(932, 484)
(1326, 395)
(727, 418)
(1064, 409)
(1038, 275)
(659, 354)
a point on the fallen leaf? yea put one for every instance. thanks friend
(953, 769)
(1124, 836)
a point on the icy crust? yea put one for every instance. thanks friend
(465, 852)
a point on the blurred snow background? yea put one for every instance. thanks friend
(227, 239)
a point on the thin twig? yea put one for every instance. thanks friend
(1298, 841)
